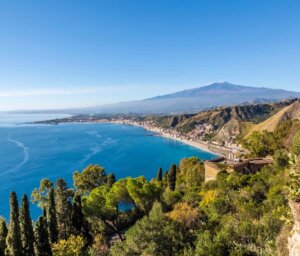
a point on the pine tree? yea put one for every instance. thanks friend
(77, 215)
(13, 240)
(63, 209)
(52, 220)
(3, 235)
(159, 175)
(111, 179)
(42, 243)
(27, 235)
(172, 177)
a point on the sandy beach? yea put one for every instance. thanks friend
(200, 145)
(195, 144)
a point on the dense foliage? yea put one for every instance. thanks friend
(285, 136)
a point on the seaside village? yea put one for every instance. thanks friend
(231, 155)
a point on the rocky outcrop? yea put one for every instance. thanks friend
(294, 239)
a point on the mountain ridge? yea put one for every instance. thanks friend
(188, 101)
(227, 123)
(198, 99)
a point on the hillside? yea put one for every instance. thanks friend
(227, 123)
(290, 112)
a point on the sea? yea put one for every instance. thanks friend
(31, 152)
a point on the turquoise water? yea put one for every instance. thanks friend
(29, 153)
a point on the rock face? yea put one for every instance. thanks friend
(293, 112)
(294, 239)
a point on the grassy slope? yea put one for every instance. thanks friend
(287, 113)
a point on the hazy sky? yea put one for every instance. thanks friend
(56, 54)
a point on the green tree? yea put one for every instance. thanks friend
(77, 215)
(111, 179)
(3, 235)
(91, 177)
(143, 193)
(103, 204)
(191, 175)
(42, 241)
(63, 198)
(51, 217)
(159, 175)
(40, 196)
(27, 235)
(261, 144)
(281, 159)
(13, 240)
(171, 197)
(165, 179)
(172, 177)
(154, 235)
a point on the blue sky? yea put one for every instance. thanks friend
(57, 54)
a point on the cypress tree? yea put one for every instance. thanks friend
(3, 235)
(172, 177)
(77, 215)
(44, 213)
(52, 220)
(166, 177)
(63, 209)
(42, 243)
(27, 235)
(159, 175)
(13, 240)
(111, 179)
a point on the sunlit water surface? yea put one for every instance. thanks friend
(29, 153)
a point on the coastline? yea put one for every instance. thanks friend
(191, 143)
(217, 150)
(162, 133)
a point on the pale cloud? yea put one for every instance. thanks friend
(76, 97)
(48, 92)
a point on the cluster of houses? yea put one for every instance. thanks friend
(201, 130)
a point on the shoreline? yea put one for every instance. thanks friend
(218, 151)
(160, 132)
(195, 144)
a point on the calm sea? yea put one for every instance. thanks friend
(29, 153)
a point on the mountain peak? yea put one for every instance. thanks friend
(222, 85)
(205, 97)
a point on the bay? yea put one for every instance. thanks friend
(29, 153)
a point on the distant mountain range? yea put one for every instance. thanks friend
(197, 99)
(190, 101)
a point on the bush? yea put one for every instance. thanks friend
(281, 159)
(296, 144)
